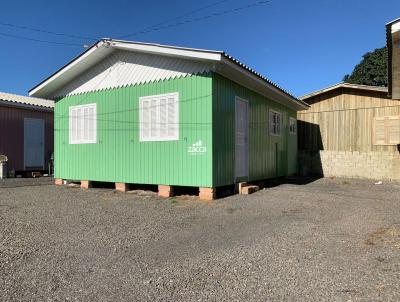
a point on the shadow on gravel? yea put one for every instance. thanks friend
(293, 180)
(9, 183)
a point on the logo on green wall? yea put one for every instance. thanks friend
(197, 148)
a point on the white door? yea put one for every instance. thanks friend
(33, 143)
(241, 139)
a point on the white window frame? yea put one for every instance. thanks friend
(73, 140)
(292, 121)
(159, 138)
(271, 126)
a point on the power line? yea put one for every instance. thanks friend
(47, 31)
(38, 40)
(137, 108)
(177, 17)
(198, 19)
(188, 125)
(24, 27)
(349, 109)
(153, 28)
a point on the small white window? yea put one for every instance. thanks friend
(82, 124)
(275, 121)
(292, 125)
(159, 117)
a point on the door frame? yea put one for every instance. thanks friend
(44, 141)
(243, 177)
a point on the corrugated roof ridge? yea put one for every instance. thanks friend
(28, 100)
(259, 75)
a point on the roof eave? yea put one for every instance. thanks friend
(105, 46)
(260, 85)
(344, 85)
(37, 90)
(12, 104)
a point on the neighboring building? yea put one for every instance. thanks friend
(26, 132)
(350, 131)
(393, 45)
(354, 130)
(150, 114)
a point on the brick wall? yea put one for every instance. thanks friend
(355, 164)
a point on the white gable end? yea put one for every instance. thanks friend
(396, 27)
(124, 68)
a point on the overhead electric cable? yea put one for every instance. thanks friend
(198, 19)
(47, 31)
(153, 28)
(180, 16)
(38, 40)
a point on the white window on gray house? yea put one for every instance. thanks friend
(275, 121)
(292, 125)
(386, 130)
(82, 124)
(159, 117)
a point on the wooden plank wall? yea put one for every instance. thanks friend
(342, 120)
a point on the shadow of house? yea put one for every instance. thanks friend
(309, 146)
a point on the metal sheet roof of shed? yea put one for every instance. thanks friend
(345, 85)
(25, 100)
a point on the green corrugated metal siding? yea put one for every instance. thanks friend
(269, 156)
(206, 104)
(118, 156)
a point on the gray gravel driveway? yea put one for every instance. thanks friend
(328, 240)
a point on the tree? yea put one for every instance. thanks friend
(372, 70)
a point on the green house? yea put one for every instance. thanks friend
(138, 113)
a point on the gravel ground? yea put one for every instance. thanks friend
(328, 240)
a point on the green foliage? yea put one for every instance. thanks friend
(372, 70)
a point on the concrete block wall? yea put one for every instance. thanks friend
(351, 164)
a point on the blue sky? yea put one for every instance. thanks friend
(300, 45)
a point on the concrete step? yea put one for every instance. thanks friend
(248, 189)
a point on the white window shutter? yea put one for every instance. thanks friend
(159, 117)
(278, 124)
(163, 118)
(92, 125)
(86, 119)
(154, 118)
(275, 121)
(172, 121)
(82, 124)
(270, 122)
(145, 120)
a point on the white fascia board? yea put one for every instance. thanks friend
(396, 27)
(169, 51)
(261, 86)
(90, 57)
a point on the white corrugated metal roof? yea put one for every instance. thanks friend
(25, 100)
(223, 63)
(122, 69)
